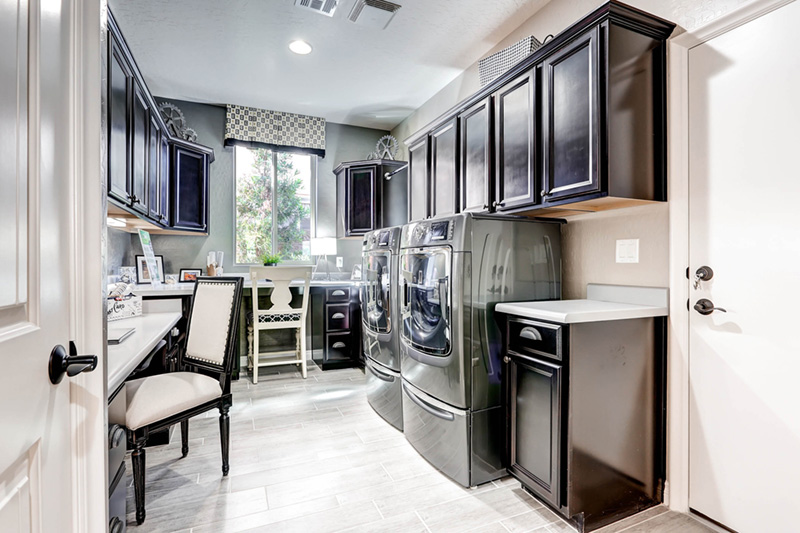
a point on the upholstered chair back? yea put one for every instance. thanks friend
(213, 321)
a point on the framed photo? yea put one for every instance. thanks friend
(142, 272)
(190, 274)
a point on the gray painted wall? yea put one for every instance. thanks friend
(343, 143)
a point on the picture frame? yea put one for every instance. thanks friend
(189, 275)
(142, 273)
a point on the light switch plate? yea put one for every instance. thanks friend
(627, 250)
(339, 262)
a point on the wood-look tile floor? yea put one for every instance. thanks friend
(311, 456)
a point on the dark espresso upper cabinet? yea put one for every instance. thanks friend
(140, 126)
(571, 93)
(158, 178)
(361, 195)
(444, 169)
(119, 86)
(515, 143)
(475, 157)
(366, 200)
(164, 181)
(154, 168)
(189, 191)
(577, 126)
(418, 180)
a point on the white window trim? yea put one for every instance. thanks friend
(313, 224)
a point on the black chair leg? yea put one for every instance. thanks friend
(138, 460)
(185, 437)
(224, 436)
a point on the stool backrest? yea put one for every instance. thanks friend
(281, 295)
(213, 325)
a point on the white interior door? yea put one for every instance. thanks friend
(744, 222)
(35, 443)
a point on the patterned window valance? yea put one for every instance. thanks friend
(261, 128)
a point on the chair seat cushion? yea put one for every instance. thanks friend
(158, 397)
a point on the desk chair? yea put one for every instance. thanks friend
(281, 315)
(202, 383)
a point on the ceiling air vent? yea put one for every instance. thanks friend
(323, 7)
(374, 13)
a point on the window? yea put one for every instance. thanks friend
(267, 223)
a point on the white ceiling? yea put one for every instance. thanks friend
(235, 52)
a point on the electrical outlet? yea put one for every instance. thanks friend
(627, 250)
(339, 262)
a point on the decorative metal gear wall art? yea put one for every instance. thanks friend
(176, 122)
(385, 149)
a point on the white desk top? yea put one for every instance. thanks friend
(123, 358)
(606, 302)
(186, 289)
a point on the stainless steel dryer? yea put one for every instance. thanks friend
(380, 324)
(453, 271)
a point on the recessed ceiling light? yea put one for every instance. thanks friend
(300, 47)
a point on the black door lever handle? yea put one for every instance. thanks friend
(71, 365)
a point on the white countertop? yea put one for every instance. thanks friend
(124, 357)
(186, 289)
(604, 302)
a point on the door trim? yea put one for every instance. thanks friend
(87, 175)
(676, 494)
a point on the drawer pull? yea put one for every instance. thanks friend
(337, 292)
(530, 334)
(338, 345)
(337, 316)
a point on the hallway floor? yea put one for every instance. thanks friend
(311, 456)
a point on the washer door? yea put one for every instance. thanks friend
(425, 307)
(376, 302)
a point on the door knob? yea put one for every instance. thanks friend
(704, 273)
(71, 365)
(704, 306)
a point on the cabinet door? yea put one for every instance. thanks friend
(418, 181)
(163, 181)
(475, 146)
(153, 167)
(535, 402)
(119, 83)
(444, 169)
(515, 143)
(189, 190)
(140, 127)
(361, 197)
(572, 119)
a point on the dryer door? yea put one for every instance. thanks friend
(426, 291)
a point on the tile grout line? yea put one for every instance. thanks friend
(416, 512)
(378, 509)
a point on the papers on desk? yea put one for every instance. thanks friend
(117, 335)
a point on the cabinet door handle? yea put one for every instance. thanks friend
(530, 334)
(337, 316)
(339, 345)
(545, 194)
(337, 292)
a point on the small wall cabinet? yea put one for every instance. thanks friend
(577, 126)
(365, 200)
(159, 179)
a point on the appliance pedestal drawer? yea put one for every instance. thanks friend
(384, 392)
(440, 433)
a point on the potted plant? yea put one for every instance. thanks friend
(270, 259)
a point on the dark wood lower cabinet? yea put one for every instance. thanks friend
(536, 435)
(335, 326)
(586, 418)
